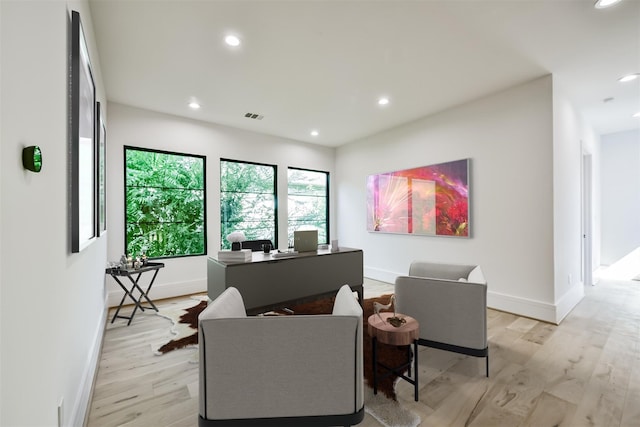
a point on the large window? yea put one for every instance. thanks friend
(247, 201)
(165, 213)
(308, 202)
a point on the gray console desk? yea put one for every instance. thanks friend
(267, 283)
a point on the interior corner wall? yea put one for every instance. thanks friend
(52, 301)
(591, 145)
(620, 195)
(147, 129)
(572, 139)
(509, 138)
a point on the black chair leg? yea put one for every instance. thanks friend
(487, 357)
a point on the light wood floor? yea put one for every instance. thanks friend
(585, 372)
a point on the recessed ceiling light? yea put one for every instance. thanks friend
(629, 77)
(254, 116)
(637, 115)
(314, 133)
(601, 4)
(383, 101)
(232, 40)
(194, 105)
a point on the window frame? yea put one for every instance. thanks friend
(275, 196)
(327, 198)
(204, 201)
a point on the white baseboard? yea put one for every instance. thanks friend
(161, 291)
(568, 301)
(522, 306)
(381, 275)
(81, 408)
(552, 313)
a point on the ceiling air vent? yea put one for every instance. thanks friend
(254, 116)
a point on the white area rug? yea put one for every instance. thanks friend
(388, 412)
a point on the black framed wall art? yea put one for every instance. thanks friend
(82, 123)
(101, 182)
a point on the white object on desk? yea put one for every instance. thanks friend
(243, 255)
(284, 254)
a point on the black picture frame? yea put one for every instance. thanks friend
(101, 179)
(82, 124)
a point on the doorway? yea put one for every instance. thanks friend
(587, 219)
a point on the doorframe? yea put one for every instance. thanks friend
(587, 218)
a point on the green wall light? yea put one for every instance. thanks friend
(32, 158)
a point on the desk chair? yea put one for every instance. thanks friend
(256, 245)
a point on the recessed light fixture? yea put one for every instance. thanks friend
(194, 105)
(383, 101)
(232, 40)
(254, 116)
(602, 4)
(314, 133)
(629, 77)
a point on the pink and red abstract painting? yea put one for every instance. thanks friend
(429, 200)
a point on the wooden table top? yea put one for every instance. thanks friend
(388, 334)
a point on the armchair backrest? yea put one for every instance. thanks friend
(440, 271)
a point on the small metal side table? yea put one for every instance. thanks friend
(407, 334)
(129, 273)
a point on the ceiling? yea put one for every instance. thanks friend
(322, 65)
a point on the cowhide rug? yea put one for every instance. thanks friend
(383, 406)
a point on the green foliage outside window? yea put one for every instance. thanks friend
(308, 202)
(247, 201)
(164, 203)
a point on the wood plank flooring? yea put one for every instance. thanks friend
(584, 372)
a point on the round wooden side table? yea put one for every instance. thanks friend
(406, 334)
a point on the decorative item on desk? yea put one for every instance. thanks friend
(236, 238)
(395, 321)
(243, 255)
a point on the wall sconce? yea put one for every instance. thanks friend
(32, 158)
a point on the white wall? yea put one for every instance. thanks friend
(572, 139)
(620, 195)
(591, 144)
(141, 128)
(52, 301)
(1, 209)
(509, 138)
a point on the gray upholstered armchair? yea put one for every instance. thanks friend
(304, 370)
(450, 303)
